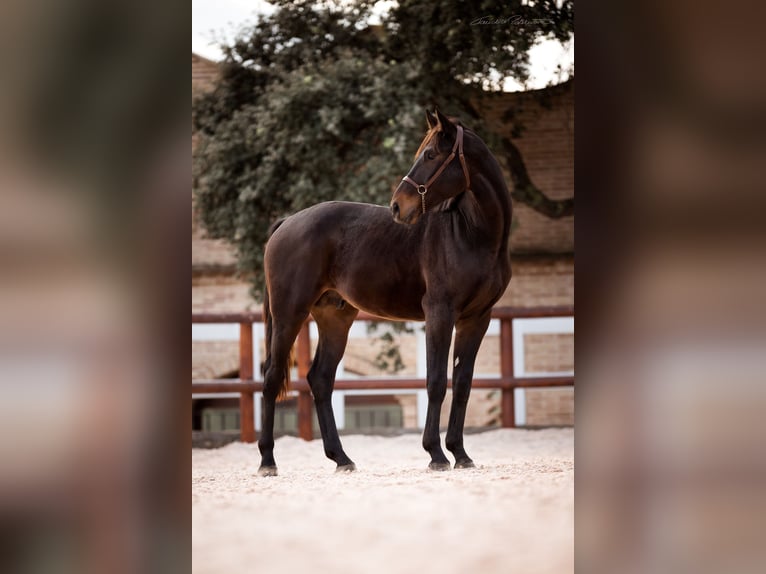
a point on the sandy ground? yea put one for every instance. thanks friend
(513, 513)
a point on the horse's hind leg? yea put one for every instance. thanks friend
(467, 341)
(285, 331)
(334, 318)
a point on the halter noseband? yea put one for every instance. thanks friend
(457, 147)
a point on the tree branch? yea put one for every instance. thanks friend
(528, 193)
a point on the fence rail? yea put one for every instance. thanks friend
(247, 386)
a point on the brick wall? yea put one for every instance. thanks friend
(224, 297)
(205, 74)
(208, 255)
(546, 407)
(213, 359)
(542, 249)
(548, 352)
(540, 280)
(547, 145)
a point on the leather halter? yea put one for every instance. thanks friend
(457, 148)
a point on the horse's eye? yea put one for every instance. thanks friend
(430, 155)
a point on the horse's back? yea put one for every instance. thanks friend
(312, 238)
(354, 248)
(324, 225)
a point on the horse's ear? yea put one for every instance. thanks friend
(448, 128)
(431, 119)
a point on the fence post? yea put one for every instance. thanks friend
(305, 403)
(507, 406)
(246, 404)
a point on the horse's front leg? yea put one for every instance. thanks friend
(470, 333)
(439, 324)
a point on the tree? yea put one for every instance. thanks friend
(317, 104)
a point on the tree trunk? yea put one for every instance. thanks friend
(526, 192)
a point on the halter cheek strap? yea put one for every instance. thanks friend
(457, 148)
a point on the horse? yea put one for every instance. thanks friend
(438, 253)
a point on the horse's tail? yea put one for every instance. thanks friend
(268, 332)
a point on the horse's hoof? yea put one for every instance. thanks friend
(440, 466)
(267, 471)
(350, 467)
(465, 464)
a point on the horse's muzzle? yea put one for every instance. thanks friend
(408, 217)
(395, 210)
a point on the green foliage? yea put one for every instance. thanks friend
(315, 104)
(474, 43)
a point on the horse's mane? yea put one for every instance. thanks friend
(465, 203)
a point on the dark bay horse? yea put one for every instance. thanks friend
(439, 254)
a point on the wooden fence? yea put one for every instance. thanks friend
(246, 386)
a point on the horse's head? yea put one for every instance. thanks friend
(439, 173)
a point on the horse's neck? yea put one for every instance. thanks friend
(487, 208)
